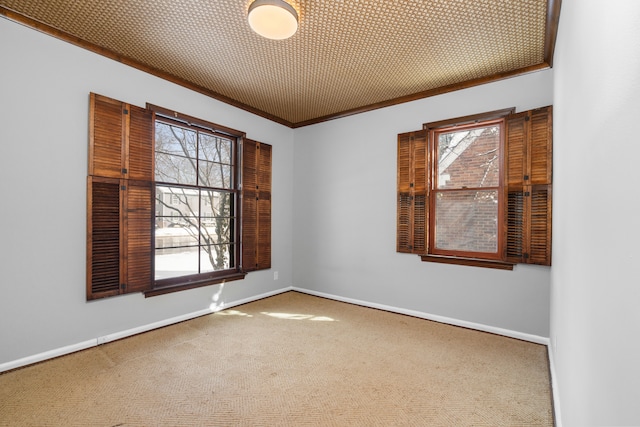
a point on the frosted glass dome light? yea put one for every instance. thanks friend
(273, 19)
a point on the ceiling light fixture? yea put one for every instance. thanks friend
(273, 19)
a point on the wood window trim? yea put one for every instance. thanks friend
(194, 121)
(470, 119)
(223, 278)
(473, 262)
(469, 122)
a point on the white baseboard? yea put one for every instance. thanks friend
(255, 298)
(555, 393)
(151, 326)
(40, 357)
(29, 360)
(441, 319)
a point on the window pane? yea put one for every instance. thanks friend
(176, 262)
(215, 175)
(216, 220)
(469, 158)
(176, 149)
(216, 230)
(179, 205)
(216, 203)
(176, 169)
(175, 140)
(175, 235)
(216, 257)
(467, 221)
(215, 149)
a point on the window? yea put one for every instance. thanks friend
(465, 203)
(477, 190)
(167, 208)
(196, 190)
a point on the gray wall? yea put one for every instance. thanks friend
(595, 298)
(44, 99)
(345, 216)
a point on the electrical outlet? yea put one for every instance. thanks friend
(275, 275)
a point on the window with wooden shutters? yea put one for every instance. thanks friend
(256, 206)
(487, 190)
(412, 204)
(153, 169)
(119, 198)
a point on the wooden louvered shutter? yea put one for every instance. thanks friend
(120, 139)
(412, 194)
(256, 205)
(540, 225)
(138, 229)
(516, 148)
(516, 153)
(540, 147)
(106, 137)
(103, 236)
(528, 187)
(119, 233)
(139, 160)
(249, 206)
(404, 205)
(515, 225)
(120, 210)
(264, 207)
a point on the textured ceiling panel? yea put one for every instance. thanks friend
(346, 56)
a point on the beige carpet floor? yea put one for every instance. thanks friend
(289, 360)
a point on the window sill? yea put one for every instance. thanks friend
(192, 285)
(473, 262)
